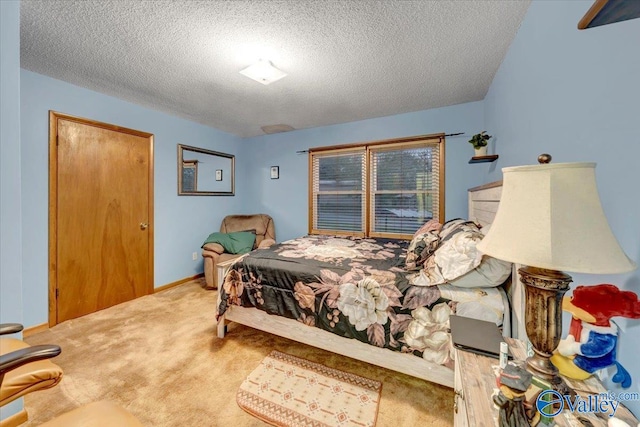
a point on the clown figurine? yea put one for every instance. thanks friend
(591, 342)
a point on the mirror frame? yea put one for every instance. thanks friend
(181, 148)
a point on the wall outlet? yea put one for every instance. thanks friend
(194, 256)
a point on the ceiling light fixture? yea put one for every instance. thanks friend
(263, 72)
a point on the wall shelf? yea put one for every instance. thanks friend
(484, 159)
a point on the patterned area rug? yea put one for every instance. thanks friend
(288, 391)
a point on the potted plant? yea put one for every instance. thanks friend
(479, 142)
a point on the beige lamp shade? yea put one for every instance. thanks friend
(550, 217)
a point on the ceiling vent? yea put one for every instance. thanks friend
(276, 128)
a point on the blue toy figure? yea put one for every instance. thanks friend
(592, 340)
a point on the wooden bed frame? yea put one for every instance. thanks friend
(483, 203)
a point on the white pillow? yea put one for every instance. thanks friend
(490, 273)
(482, 304)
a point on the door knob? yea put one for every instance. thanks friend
(143, 225)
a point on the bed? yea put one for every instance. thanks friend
(360, 291)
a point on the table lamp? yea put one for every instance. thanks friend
(550, 220)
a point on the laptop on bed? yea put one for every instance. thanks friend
(476, 336)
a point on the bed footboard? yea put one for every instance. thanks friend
(222, 326)
(297, 331)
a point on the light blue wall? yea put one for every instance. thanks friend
(181, 222)
(10, 203)
(286, 199)
(575, 94)
(10, 211)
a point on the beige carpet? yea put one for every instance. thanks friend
(159, 357)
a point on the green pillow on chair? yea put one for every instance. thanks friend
(239, 242)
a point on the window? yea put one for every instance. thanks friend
(189, 175)
(339, 191)
(381, 189)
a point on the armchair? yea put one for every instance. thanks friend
(213, 253)
(24, 368)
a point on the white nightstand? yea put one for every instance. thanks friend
(475, 382)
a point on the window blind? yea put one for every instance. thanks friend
(404, 187)
(338, 192)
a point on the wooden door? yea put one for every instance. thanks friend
(101, 230)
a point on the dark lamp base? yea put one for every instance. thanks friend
(544, 290)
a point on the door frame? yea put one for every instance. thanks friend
(53, 201)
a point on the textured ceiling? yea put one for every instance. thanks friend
(345, 60)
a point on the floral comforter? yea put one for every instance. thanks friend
(357, 288)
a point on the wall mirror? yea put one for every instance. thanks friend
(204, 172)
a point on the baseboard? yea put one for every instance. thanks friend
(44, 326)
(34, 329)
(176, 283)
(15, 420)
